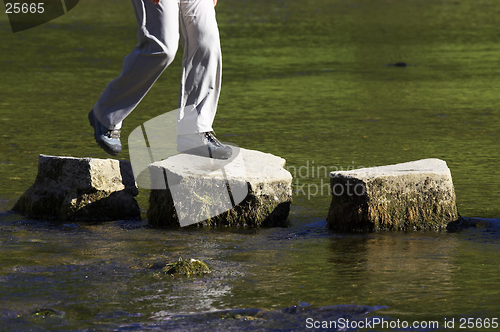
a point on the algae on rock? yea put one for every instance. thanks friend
(409, 196)
(252, 190)
(90, 189)
(186, 267)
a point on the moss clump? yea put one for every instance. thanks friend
(186, 267)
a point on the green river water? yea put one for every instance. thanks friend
(311, 81)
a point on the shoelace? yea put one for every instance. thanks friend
(115, 133)
(210, 135)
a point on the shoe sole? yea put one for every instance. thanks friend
(206, 152)
(103, 145)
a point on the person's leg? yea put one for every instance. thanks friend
(158, 41)
(201, 81)
(202, 67)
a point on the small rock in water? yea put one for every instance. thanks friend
(460, 224)
(186, 267)
(47, 312)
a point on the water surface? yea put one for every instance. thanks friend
(311, 81)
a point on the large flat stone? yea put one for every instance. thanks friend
(68, 188)
(250, 189)
(407, 196)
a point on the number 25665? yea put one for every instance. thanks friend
(25, 8)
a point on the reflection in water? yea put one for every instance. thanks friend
(408, 266)
(296, 318)
(101, 274)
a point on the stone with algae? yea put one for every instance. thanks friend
(415, 195)
(89, 189)
(186, 267)
(250, 189)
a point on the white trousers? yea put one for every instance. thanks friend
(159, 29)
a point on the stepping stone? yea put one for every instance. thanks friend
(90, 189)
(250, 189)
(409, 196)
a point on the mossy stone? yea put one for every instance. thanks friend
(187, 267)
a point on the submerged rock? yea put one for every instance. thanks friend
(460, 224)
(186, 267)
(472, 222)
(68, 188)
(407, 196)
(47, 312)
(250, 189)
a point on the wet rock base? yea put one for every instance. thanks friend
(250, 189)
(86, 189)
(416, 195)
